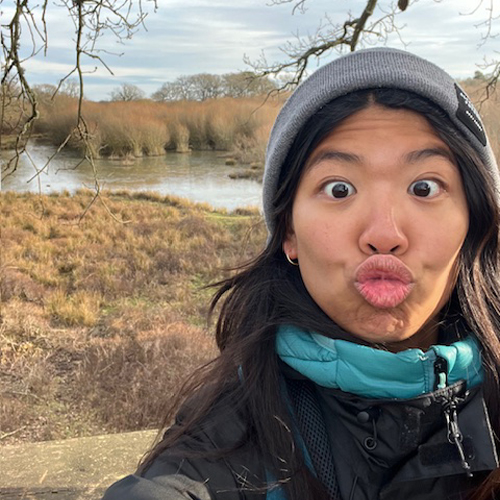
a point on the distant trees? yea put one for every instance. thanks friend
(247, 84)
(45, 92)
(479, 76)
(71, 88)
(205, 86)
(170, 91)
(199, 87)
(127, 92)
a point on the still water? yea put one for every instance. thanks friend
(200, 176)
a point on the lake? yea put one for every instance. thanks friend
(200, 176)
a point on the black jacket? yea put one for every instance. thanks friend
(387, 450)
(172, 476)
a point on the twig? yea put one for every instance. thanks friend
(10, 434)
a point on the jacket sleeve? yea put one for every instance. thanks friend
(174, 476)
(171, 487)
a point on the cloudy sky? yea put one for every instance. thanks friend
(212, 36)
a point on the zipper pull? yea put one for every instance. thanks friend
(450, 406)
(455, 435)
(441, 373)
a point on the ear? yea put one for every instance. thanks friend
(290, 245)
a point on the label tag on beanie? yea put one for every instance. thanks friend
(468, 115)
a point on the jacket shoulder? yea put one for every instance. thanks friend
(214, 461)
(217, 453)
(169, 487)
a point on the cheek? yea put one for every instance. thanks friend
(322, 230)
(321, 244)
(441, 263)
(326, 252)
(444, 278)
(444, 245)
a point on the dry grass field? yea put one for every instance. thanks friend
(101, 321)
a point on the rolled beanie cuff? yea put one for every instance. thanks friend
(370, 69)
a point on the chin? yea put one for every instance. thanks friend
(397, 338)
(382, 328)
(385, 338)
(381, 322)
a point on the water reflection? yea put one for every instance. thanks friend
(200, 176)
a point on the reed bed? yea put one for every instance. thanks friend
(147, 128)
(101, 321)
(238, 125)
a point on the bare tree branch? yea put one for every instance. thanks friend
(92, 19)
(350, 34)
(298, 7)
(492, 78)
(12, 64)
(375, 22)
(359, 25)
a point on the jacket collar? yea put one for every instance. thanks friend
(374, 373)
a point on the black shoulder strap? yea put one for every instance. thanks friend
(313, 431)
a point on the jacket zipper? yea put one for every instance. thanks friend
(450, 406)
(441, 373)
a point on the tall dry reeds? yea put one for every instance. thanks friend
(149, 128)
(239, 125)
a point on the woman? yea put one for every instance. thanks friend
(359, 351)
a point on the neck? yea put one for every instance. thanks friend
(423, 339)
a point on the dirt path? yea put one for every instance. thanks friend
(72, 469)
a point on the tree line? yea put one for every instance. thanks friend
(200, 87)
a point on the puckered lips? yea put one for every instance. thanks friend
(383, 281)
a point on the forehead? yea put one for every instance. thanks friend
(382, 132)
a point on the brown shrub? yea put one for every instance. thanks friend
(179, 137)
(128, 381)
(26, 376)
(14, 284)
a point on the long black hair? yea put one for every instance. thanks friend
(268, 292)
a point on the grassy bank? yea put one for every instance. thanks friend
(101, 321)
(147, 128)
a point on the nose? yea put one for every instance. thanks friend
(383, 230)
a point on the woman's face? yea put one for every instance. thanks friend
(378, 221)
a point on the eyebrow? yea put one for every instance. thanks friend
(335, 155)
(411, 157)
(423, 154)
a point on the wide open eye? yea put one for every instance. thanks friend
(425, 188)
(339, 189)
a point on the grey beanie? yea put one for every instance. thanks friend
(367, 69)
